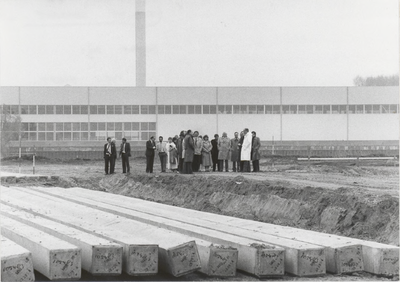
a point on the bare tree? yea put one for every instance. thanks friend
(10, 130)
(380, 80)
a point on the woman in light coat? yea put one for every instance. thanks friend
(172, 155)
(206, 153)
(224, 144)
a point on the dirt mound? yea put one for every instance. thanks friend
(342, 211)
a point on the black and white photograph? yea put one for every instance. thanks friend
(199, 140)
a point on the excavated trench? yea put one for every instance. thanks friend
(340, 211)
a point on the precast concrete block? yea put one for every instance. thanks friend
(218, 260)
(345, 259)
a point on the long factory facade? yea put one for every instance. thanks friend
(78, 115)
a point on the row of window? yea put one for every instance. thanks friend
(85, 126)
(200, 109)
(83, 131)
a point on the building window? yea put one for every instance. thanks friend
(268, 109)
(135, 109)
(236, 109)
(110, 126)
(243, 109)
(76, 126)
(118, 126)
(84, 110)
(59, 109)
(318, 109)
(302, 109)
(213, 109)
(110, 109)
(168, 109)
(276, 109)
(252, 109)
(67, 109)
(101, 109)
(118, 110)
(93, 126)
(152, 126)
(14, 109)
(93, 110)
(127, 126)
(152, 109)
(376, 109)
(393, 109)
(197, 109)
(343, 109)
(182, 109)
(260, 109)
(101, 126)
(59, 126)
(24, 110)
(49, 136)
(42, 110)
(49, 110)
(144, 126)
(135, 126)
(175, 109)
(41, 126)
(127, 110)
(160, 109)
(33, 110)
(144, 109)
(49, 126)
(67, 126)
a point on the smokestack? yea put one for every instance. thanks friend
(140, 43)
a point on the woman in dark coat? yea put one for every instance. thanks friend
(189, 153)
(214, 151)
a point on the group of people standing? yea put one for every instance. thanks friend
(188, 151)
(110, 155)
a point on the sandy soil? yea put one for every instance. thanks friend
(333, 197)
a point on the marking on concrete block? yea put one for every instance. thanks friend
(350, 259)
(17, 269)
(311, 262)
(390, 262)
(270, 262)
(106, 260)
(143, 260)
(65, 264)
(222, 262)
(184, 259)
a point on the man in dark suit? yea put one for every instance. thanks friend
(125, 153)
(214, 151)
(109, 156)
(150, 149)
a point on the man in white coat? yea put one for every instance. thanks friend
(245, 155)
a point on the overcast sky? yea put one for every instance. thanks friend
(198, 42)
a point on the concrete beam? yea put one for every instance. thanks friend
(301, 259)
(54, 258)
(254, 257)
(99, 256)
(377, 258)
(16, 262)
(178, 253)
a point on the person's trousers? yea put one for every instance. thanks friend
(125, 163)
(241, 166)
(180, 165)
(246, 166)
(107, 163)
(221, 165)
(196, 163)
(187, 168)
(149, 163)
(234, 166)
(256, 165)
(163, 160)
(215, 164)
(112, 164)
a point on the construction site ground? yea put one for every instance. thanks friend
(347, 198)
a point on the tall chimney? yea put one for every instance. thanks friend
(140, 43)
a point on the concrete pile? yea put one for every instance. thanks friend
(107, 234)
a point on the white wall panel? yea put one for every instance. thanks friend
(54, 95)
(186, 95)
(248, 95)
(314, 127)
(171, 125)
(123, 118)
(314, 95)
(122, 95)
(374, 127)
(266, 126)
(9, 95)
(374, 95)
